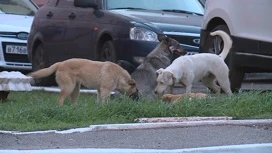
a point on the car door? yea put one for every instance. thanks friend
(80, 31)
(59, 44)
(53, 27)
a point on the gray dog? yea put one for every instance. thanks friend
(161, 57)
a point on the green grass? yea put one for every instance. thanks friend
(37, 110)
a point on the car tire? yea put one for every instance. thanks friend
(107, 52)
(215, 45)
(38, 62)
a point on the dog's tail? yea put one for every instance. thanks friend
(227, 42)
(45, 72)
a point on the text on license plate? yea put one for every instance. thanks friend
(13, 49)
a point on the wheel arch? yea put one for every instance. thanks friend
(211, 25)
(215, 22)
(103, 38)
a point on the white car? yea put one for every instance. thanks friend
(16, 18)
(250, 26)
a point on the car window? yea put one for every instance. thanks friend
(18, 7)
(185, 5)
(66, 3)
(52, 2)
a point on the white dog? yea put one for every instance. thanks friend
(204, 67)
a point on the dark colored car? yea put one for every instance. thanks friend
(110, 30)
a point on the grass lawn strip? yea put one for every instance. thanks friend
(37, 110)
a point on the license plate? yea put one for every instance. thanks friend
(13, 49)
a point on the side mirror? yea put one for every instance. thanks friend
(86, 3)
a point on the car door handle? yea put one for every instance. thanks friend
(72, 16)
(49, 14)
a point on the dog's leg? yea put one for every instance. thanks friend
(75, 93)
(99, 100)
(187, 80)
(187, 83)
(107, 85)
(225, 85)
(170, 90)
(222, 78)
(65, 91)
(188, 88)
(66, 85)
(105, 94)
(209, 82)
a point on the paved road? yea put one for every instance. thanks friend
(176, 137)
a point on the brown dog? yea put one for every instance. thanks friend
(170, 98)
(103, 76)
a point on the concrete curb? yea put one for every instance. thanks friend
(139, 126)
(180, 119)
(57, 89)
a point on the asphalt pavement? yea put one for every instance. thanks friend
(156, 136)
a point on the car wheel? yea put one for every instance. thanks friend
(107, 52)
(215, 45)
(38, 58)
(38, 63)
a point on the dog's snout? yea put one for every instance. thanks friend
(135, 95)
(180, 52)
(155, 92)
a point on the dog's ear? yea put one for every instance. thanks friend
(167, 39)
(132, 82)
(168, 75)
(159, 71)
(161, 37)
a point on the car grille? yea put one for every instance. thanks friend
(187, 40)
(14, 57)
(17, 35)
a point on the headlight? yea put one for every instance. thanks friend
(138, 33)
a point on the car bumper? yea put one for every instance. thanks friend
(10, 61)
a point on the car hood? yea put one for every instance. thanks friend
(15, 23)
(165, 21)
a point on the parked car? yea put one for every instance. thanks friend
(110, 30)
(40, 3)
(249, 24)
(16, 19)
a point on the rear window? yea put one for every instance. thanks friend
(18, 7)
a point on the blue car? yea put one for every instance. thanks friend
(110, 30)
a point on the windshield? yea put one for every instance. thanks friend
(18, 7)
(184, 5)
